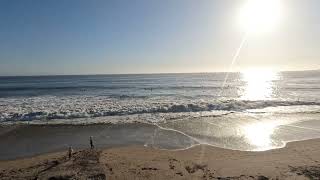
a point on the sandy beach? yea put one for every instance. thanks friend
(298, 160)
(160, 90)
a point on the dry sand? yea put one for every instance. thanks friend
(298, 160)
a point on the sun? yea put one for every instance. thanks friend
(258, 16)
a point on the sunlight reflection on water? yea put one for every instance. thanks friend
(259, 134)
(259, 84)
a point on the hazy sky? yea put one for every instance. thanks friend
(149, 36)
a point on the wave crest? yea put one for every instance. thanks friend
(89, 108)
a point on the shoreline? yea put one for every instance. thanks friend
(23, 141)
(297, 160)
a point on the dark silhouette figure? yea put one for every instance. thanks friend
(91, 142)
(70, 151)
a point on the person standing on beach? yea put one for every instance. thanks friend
(70, 151)
(91, 142)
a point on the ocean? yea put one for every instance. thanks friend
(250, 111)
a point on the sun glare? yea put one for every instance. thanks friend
(258, 16)
(259, 84)
(259, 134)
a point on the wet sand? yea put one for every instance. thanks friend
(298, 160)
(21, 141)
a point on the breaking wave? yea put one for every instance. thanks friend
(52, 107)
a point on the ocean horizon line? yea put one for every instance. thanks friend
(156, 73)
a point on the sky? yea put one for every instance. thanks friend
(47, 37)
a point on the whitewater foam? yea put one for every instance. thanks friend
(74, 107)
